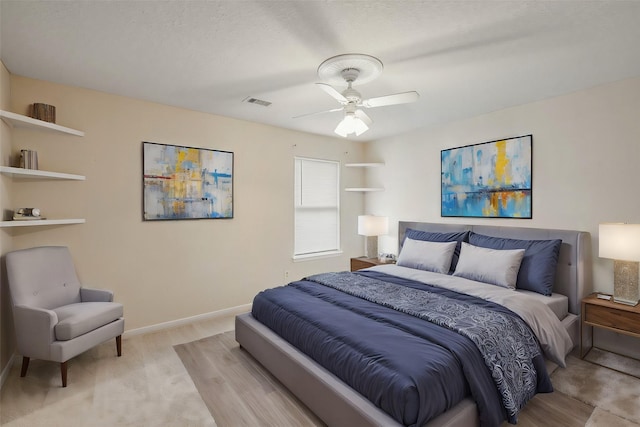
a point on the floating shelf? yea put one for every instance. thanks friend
(18, 120)
(40, 222)
(37, 174)
(364, 165)
(364, 189)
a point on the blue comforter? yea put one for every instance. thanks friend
(410, 368)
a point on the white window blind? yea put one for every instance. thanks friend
(317, 207)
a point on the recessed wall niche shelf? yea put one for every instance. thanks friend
(364, 165)
(15, 120)
(18, 120)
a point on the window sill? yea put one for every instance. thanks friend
(320, 255)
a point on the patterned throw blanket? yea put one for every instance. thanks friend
(507, 344)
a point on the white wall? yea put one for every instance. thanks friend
(586, 163)
(6, 322)
(167, 270)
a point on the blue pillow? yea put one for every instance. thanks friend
(458, 236)
(538, 269)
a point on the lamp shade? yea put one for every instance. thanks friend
(619, 241)
(370, 225)
(351, 124)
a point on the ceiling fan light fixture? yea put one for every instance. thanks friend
(352, 69)
(351, 124)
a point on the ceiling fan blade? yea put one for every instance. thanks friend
(363, 116)
(319, 112)
(398, 98)
(332, 92)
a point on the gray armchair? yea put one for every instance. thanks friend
(55, 318)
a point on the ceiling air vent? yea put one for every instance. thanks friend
(256, 101)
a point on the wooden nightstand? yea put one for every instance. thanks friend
(616, 317)
(362, 262)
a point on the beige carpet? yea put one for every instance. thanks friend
(239, 392)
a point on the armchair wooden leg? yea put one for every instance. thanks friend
(119, 345)
(63, 371)
(25, 366)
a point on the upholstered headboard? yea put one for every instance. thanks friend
(573, 277)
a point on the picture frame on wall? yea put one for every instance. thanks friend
(488, 180)
(186, 182)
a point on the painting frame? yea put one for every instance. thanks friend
(488, 180)
(184, 183)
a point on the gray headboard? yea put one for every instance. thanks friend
(573, 277)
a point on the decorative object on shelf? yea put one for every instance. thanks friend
(186, 183)
(26, 214)
(387, 258)
(621, 242)
(487, 180)
(29, 159)
(44, 112)
(372, 226)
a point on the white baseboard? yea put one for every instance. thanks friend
(179, 322)
(5, 372)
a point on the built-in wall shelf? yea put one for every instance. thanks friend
(18, 120)
(38, 174)
(40, 222)
(364, 165)
(368, 189)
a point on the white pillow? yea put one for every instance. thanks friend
(424, 255)
(493, 266)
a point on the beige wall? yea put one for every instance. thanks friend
(6, 324)
(168, 270)
(586, 154)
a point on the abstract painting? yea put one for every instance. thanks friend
(488, 180)
(186, 183)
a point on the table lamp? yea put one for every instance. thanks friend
(621, 242)
(372, 226)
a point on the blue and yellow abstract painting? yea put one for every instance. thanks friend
(186, 183)
(488, 180)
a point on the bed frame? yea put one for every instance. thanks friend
(337, 404)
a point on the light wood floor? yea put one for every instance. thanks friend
(150, 386)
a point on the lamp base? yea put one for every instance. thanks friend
(625, 302)
(625, 282)
(371, 246)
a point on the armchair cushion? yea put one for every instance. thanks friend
(95, 295)
(78, 319)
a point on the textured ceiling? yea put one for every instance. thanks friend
(465, 58)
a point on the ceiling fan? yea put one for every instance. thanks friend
(350, 68)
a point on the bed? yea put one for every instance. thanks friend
(337, 403)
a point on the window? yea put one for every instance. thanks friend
(317, 207)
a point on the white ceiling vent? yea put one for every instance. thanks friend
(256, 101)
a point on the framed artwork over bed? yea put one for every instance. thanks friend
(186, 183)
(487, 180)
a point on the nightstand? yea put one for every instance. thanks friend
(606, 314)
(362, 262)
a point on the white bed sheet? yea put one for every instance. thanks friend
(555, 341)
(558, 303)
